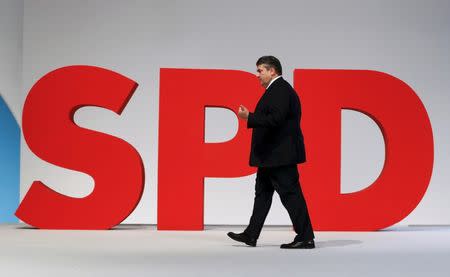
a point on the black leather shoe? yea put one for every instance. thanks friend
(243, 237)
(306, 244)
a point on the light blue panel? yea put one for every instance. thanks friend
(9, 164)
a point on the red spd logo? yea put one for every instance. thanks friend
(185, 159)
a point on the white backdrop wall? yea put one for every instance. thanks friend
(11, 18)
(408, 39)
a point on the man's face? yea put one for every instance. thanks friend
(264, 75)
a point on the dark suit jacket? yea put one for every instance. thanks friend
(276, 137)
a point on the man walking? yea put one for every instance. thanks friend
(276, 149)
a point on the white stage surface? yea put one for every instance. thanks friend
(140, 250)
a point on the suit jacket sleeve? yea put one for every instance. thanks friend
(274, 113)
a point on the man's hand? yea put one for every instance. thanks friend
(243, 112)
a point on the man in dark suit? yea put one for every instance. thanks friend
(276, 149)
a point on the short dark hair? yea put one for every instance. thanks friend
(270, 62)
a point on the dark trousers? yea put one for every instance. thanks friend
(284, 180)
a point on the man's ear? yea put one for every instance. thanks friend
(272, 71)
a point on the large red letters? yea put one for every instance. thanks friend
(185, 159)
(51, 134)
(408, 138)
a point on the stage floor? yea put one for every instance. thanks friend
(131, 250)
